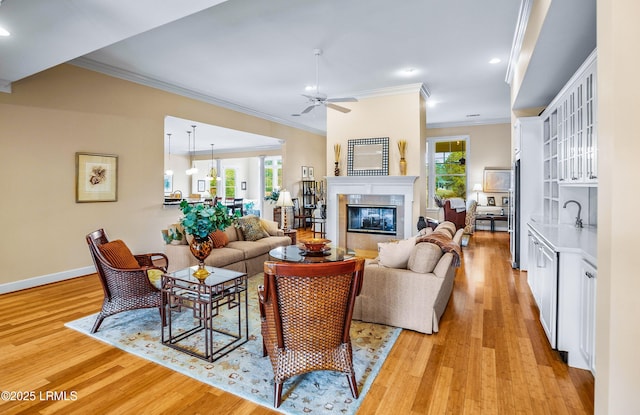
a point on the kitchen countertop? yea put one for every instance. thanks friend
(568, 238)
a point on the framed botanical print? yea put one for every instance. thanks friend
(96, 177)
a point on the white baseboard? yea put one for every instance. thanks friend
(45, 279)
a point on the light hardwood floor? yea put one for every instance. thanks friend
(491, 356)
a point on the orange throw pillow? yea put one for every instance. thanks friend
(219, 238)
(119, 255)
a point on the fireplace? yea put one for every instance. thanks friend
(374, 219)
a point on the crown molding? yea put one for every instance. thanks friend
(394, 90)
(518, 38)
(5, 86)
(92, 65)
(490, 121)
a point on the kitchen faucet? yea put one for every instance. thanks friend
(578, 220)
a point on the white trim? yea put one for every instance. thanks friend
(491, 121)
(394, 90)
(518, 38)
(92, 65)
(45, 279)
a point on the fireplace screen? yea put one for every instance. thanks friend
(371, 219)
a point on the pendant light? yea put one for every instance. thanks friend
(212, 173)
(189, 171)
(169, 172)
(194, 169)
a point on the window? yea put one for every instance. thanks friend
(229, 183)
(272, 174)
(446, 168)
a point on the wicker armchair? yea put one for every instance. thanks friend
(125, 288)
(306, 312)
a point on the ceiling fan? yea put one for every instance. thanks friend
(319, 98)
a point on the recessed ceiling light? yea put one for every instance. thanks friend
(431, 104)
(495, 60)
(4, 32)
(310, 88)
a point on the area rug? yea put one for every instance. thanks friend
(244, 371)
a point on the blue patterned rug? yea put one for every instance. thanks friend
(244, 372)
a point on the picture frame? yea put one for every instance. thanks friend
(368, 157)
(201, 184)
(496, 180)
(310, 172)
(305, 172)
(505, 201)
(243, 185)
(96, 177)
(491, 201)
(168, 183)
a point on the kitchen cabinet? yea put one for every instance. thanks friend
(587, 304)
(576, 116)
(543, 281)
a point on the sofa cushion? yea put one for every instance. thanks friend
(251, 249)
(119, 255)
(222, 257)
(251, 227)
(395, 254)
(424, 257)
(232, 233)
(219, 239)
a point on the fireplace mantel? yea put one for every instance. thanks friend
(371, 185)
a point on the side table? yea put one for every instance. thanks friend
(293, 234)
(217, 310)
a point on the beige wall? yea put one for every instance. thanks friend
(398, 117)
(618, 308)
(50, 116)
(489, 147)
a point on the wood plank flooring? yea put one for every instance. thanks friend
(490, 357)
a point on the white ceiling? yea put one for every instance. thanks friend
(256, 56)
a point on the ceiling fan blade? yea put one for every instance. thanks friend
(345, 99)
(304, 111)
(338, 107)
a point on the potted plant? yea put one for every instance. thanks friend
(200, 220)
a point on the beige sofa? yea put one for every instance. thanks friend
(237, 255)
(404, 298)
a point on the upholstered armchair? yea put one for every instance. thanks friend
(125, 277)
(455, 211)
(306, 312)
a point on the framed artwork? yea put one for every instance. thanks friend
(305, 172)
(497, 180)
(310, 171)
(168, 183)
(368, 157)
(505, 201)
(491, 201)
(243, 185)
(96, 177)
(201, 185)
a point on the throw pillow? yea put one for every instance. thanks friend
(446, 228)
(219, 239)
(251, 228)
(270, 226)
(395, 254)
(424, 257)
(119, 255)
(155, 277)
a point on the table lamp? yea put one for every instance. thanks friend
(477, 188)
(285, 202)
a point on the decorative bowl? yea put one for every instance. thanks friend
(315, 244)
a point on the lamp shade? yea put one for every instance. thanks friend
(477, 187)
(284, 199)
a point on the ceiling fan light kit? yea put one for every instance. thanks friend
(319, 98)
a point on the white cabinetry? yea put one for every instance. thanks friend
(543, 280)
(587, 325)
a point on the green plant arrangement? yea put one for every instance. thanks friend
(200, 220)
(273, 196)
